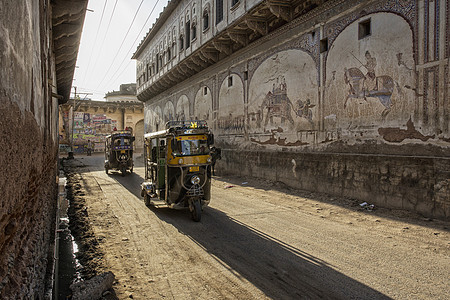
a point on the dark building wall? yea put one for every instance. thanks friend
(28, 147)
(354, 94)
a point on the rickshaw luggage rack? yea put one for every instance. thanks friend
(186, 124)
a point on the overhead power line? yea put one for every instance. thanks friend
(95, 42)
(133, 44)
(104, 37)
(121, 44)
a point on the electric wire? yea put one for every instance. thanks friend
(95, 42)
(104, 37)
(121, 44)
(133, 45)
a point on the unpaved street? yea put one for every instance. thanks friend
(259, 240)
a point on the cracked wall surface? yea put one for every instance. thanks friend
(29, 144)
(368, 80)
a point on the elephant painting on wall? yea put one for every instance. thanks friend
(283, 94)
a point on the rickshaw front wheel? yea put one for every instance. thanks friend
(106, 170)
(196, 211)
(147, 200)
(123, 170)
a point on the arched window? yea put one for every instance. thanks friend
(219, 11)
(205, 19)
(194, 30)
(181, 42)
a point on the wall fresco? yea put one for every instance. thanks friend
(370, 81)
(169, 111)
(231, 116)
(182, 112)
(283, 96)
(203, 105)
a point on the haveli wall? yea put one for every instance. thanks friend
(30, 41)
(351, 98)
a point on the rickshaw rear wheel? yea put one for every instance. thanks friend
(196, 212)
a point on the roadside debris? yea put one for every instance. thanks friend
(229, 186)
(367, 206)
(245, 182)
(92, 288)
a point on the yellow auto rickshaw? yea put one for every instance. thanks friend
(178, 166)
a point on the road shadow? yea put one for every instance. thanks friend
(279, 270)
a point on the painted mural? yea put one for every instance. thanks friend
(203, 105)
(231, 118)
(169, 112)
(153, 118)
(182, 111)
(370, 81)
(283, 96)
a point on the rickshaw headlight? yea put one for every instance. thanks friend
(180, 161)
(195, 179)
(208, 159)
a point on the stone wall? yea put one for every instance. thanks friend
(28, 147)
(412, 183)
(368, 79)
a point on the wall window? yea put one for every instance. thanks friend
(364, 29)
(219, 11)
(158, 64)
(181, 42)
(169, 54)
(194, 31)
(205, 20)
(323, 45)
(234, 2)
(188, 34)
(230, 81)
(205, 91)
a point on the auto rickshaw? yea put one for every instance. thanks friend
(119, 151)
(178, 166)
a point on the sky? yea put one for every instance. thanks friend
(108, 41)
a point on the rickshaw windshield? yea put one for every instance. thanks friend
(187, 147)
(122, 141)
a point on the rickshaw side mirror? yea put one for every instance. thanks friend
(210, 139)
(172, 144)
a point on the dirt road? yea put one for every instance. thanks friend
(257, 240)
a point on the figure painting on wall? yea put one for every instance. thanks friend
(362, 86)
(303, 109)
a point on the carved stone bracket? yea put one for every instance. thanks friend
(238, 37)
(222, 47)
(281, 9)
(211, 55)
(199, 62)
(258, 25)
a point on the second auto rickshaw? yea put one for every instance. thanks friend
(119, 151)
(178, 166)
